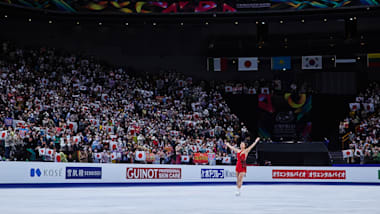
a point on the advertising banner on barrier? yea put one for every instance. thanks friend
(200, 158)
(153, 173)
(309, 174)
(50, 173)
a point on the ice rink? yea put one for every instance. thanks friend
(295, 199)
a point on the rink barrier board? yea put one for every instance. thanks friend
(50, 174)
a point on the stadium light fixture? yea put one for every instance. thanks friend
(50, 21)
(325, 20)
(263, 23)
(206, 23)
(154, 23)
(332, 59)
(100, 24)
(351, 19)
(181, 23)
(236, 22)
(5, 16)
(126, 24)
(29, 19)
(358, 58)
(257, 22)
(354, 17)
(78, 23)
(284, 69)
(281, 21)
(303, 20)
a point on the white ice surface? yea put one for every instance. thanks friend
(292, 199)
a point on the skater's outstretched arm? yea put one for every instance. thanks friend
(252, 145)
(232, 148)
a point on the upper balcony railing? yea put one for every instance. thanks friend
(186, 7)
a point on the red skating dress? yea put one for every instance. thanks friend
(241, 164)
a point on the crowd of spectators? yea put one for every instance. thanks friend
(85, 111)
(362, 127)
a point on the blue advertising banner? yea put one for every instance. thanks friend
(212, 173)
(83, 172)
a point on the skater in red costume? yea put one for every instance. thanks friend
(241, 165)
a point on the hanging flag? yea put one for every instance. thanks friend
(281, 63)
(140, 156)
(369, 107)
(311, 62)
(226, 160)
(354, 106)
(373, 60)
(185, 159)
(344, 61)
(248, 64)
(220, 64)
(3, 135)
(347, 153)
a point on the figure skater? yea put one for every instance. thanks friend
(241, 165)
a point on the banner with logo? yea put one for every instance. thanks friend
(285, 117)
(200, 158)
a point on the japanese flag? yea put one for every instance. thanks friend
(108, 129)
(41, 151)
(369, 107)
(98, 88)
(174, 133)
(49, 152)
(140, 156)
(347, 153)
(228, 89)
(105, 97)
(113, 145)
(358, 153)
(113, 137)
(94, 122)
(252, 91)
(211, 132)
(73, 126)
(264, 90)
(57, 157)
(113, 156)
(196, 115)
(3, 135)
(98, 155)
(226, 160)
(185, 159)
(354, 106)
(199, 141)
(76, 139)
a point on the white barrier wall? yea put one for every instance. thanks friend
(68, 173)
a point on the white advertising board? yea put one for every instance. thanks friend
(84, 173)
